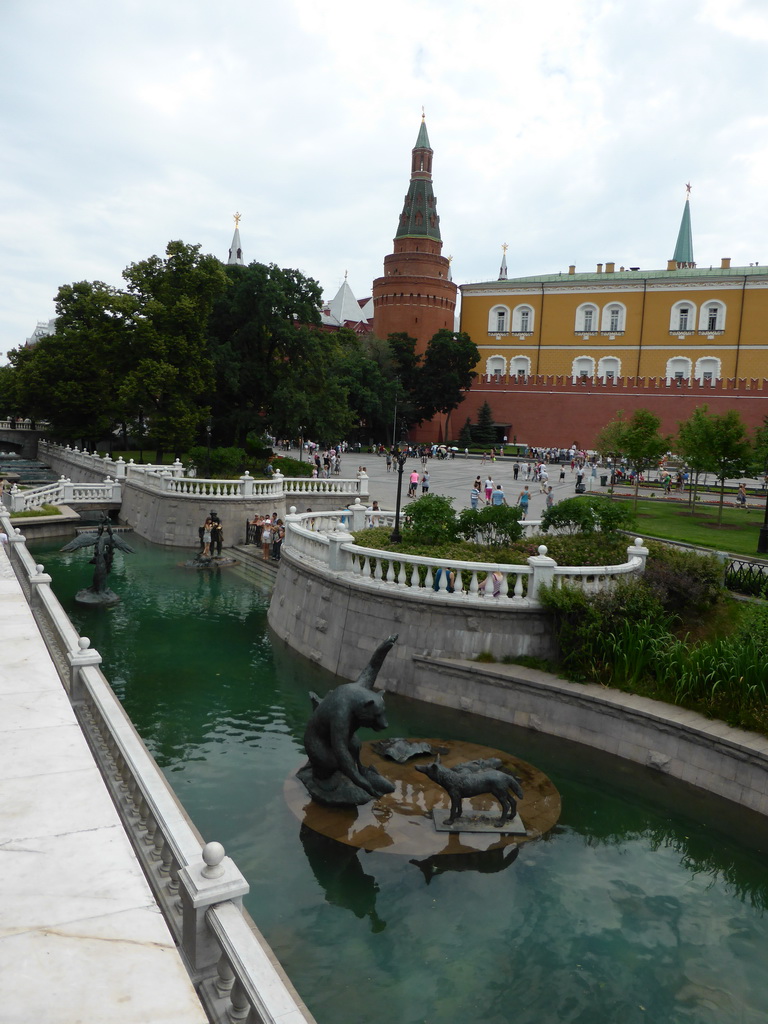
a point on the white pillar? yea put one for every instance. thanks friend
(213, 879)
(543, 572)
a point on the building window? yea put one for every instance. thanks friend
(678, 368)
(520, 366)
(682, 318)
(583, 367)
(609, 368)
(496, 366)
(707, 370)
(522, 320)
(498, 320)
(614, 318)
(587, 317)
(712, 317)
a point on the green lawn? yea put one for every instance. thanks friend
(672, 520)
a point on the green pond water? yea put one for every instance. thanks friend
(646, 903)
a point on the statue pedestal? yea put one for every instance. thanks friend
(402, 821)
(104, 598)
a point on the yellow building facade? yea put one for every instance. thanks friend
(684, 323)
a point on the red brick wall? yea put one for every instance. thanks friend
(547, 411)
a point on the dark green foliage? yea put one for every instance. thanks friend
(431, 520)
(587, 514)
(465, 435)
(484, 432)
(492, 525)
(683, 580)
(292, 467)
(584, 549)
(223, 461)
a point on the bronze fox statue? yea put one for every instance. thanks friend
(471, 779)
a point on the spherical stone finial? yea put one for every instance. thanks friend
(358, 503)
(292, 510)
(39, 569)
(213, 855)
(84, 643)
(542, 549)
(638, 542)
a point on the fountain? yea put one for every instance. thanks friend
(647, 900)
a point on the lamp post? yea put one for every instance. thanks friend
(762, 538)
(208, 437)
(301, 443)
(401, 456)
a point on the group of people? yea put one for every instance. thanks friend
(493, 494)
(269, 532)
(413, 482)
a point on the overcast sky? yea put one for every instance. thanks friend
(565, 128)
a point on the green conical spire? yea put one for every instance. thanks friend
(419, 217)
(683, 255)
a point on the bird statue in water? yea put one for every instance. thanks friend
(104, 542)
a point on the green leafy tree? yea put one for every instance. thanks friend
(637, 440)
(446, 373)
(172, 374)
(731, 452)
(493, 525)
(587, 515)
(694, 443)
(72, 377)
(430, 520)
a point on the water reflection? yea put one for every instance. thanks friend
(339, 872)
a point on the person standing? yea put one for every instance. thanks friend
(524, 500)
(207, 538)
(488, 488)
(515, 470)
(497, 498)
(413, 482)
(474, 495)
(425, 482)
(266, 539)
(550, 499)
(217, 534)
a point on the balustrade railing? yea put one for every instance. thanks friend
(198, 889)
(325, 538)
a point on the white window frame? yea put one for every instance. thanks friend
(493, 319)
(609, 364)
(520, 366)
(708, 364)
(494, 365)
(621, 310)
(678, 368)
(675, 313)
(583, 366)
(580, 326)
(519, 324)
(719, 307)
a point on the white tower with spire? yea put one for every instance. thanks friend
(236, 250)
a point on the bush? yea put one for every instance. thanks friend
(494, 525)
(683, 580)
(223, 461)
(588, 514)
(293, 467)
(430, 520)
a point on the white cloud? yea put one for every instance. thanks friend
(566, 129)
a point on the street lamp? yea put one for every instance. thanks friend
(762, 539)
(401, 456)
(301, 443)
(208, 435)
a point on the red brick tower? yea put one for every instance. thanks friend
(416, 294)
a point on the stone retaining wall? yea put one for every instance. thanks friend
(731, 763)
(338, 622)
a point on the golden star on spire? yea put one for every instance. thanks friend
(504, 247)
(237, 217)
(688, 190)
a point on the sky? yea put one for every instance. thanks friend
(566, 129)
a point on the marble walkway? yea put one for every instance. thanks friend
(81, 937)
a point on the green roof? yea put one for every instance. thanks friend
(684, 248)
(422, 142)
(686, 274)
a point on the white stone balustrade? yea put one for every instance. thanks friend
(323, 537)
(198, 889)
(65, 492)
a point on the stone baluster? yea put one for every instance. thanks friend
(36, 580)
(543, 572)
(638, 550)
(214, 879)
(338, 560)
(246, 485)
(81, 658)
(358, 515)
